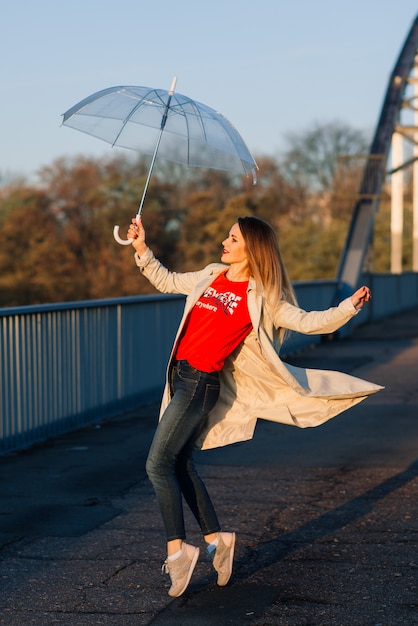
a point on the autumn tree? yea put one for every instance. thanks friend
(88, 198)
(312, 156)
(34, 267)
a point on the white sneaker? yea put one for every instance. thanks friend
(181, 569)
(224, 557)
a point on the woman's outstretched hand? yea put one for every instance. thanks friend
(361, 296)
(137, 233)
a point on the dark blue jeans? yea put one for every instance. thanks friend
(170, 465)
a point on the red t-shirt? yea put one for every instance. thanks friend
(216, 325)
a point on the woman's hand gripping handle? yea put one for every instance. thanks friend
(136, 236)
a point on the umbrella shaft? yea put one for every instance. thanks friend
(151, 167)
(154, 156)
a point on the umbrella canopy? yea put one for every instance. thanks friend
(150, 120)
(194, 134)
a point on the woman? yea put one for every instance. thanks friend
(225, 372)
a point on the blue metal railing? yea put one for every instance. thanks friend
(66, 365)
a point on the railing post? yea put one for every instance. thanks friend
(396, 224)
(415, 177)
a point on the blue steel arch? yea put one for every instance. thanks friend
(361, 227)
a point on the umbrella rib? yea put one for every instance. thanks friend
(199, 117)
(131, 113)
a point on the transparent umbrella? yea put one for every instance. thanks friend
(156, 121)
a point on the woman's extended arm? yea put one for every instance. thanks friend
(159, 276)
(327, 321)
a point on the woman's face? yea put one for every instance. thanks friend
(234, 247)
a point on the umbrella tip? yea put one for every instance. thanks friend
(173, 86)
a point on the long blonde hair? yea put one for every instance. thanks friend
(265, 261)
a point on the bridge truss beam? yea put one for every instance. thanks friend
(361, 228)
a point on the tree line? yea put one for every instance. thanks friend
(56, 240)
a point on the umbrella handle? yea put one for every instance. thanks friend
(123, 242)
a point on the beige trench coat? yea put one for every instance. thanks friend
(255, 382)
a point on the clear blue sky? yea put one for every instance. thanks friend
(270, 66)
